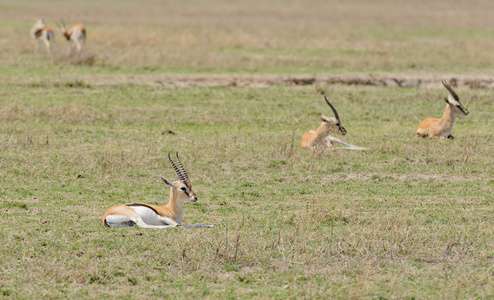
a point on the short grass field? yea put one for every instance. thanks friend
(409, 218)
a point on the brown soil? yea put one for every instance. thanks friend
(401, 177)
(263, 80)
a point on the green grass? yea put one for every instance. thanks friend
(408, 218)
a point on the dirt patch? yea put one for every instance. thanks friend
(264, 80)
(402, 177)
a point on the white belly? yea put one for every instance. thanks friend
(148, 215)
(446, 133)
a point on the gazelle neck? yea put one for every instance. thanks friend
(320, 134)
(449, 117)
(325, 129)
(175, 206)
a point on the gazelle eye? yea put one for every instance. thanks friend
(183, 188)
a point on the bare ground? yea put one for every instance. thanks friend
(402, 177)
(264, 80)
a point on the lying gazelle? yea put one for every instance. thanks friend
(76, 35)
(320, 138)
(151, 216)
(42, 33)
(441, 128)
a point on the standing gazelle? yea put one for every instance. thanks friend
(76, 35)
(151, 216)
(441, 128)
(320, 138)
(42, 33)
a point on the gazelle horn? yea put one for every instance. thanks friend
(334, 110)
(182, 168)
(179, 174)
(450, 89)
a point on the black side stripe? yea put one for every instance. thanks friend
(145, 205)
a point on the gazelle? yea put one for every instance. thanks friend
(40, 32)
(151, 216)
(441, 128)
(76, 35)
(320, 138)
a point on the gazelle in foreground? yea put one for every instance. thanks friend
(76, 35)
(320, 138)
(151, 216)
(42, 33)
(441, 128)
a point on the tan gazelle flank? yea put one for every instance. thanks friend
(441, 128)
(42, 33)
(320, 138)
(151, 216)
(76, 35)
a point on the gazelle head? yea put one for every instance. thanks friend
(40, 23)
(453, 100)
(333, 124)
(37, 28)
(182, 188)
(62, 29)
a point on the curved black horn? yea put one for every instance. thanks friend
(450, 89)
(334, 110)
(182, 168)
(179, 174)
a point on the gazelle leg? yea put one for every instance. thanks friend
(36, 49)
(127, 221)
(332, 140)
(48, 46)
(141, 224)
(120, 221)
(124, 216)
(168, 222)
(197, 226)
(83, 44)
(329, 143)
(78, 46)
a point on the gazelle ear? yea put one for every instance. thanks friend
(167, 181)
(446, 99)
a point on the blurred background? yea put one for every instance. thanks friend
(219, 36)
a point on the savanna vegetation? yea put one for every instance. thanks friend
(409, 218)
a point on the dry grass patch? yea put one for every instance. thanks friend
(220, 37)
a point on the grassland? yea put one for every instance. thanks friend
(410, 218)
